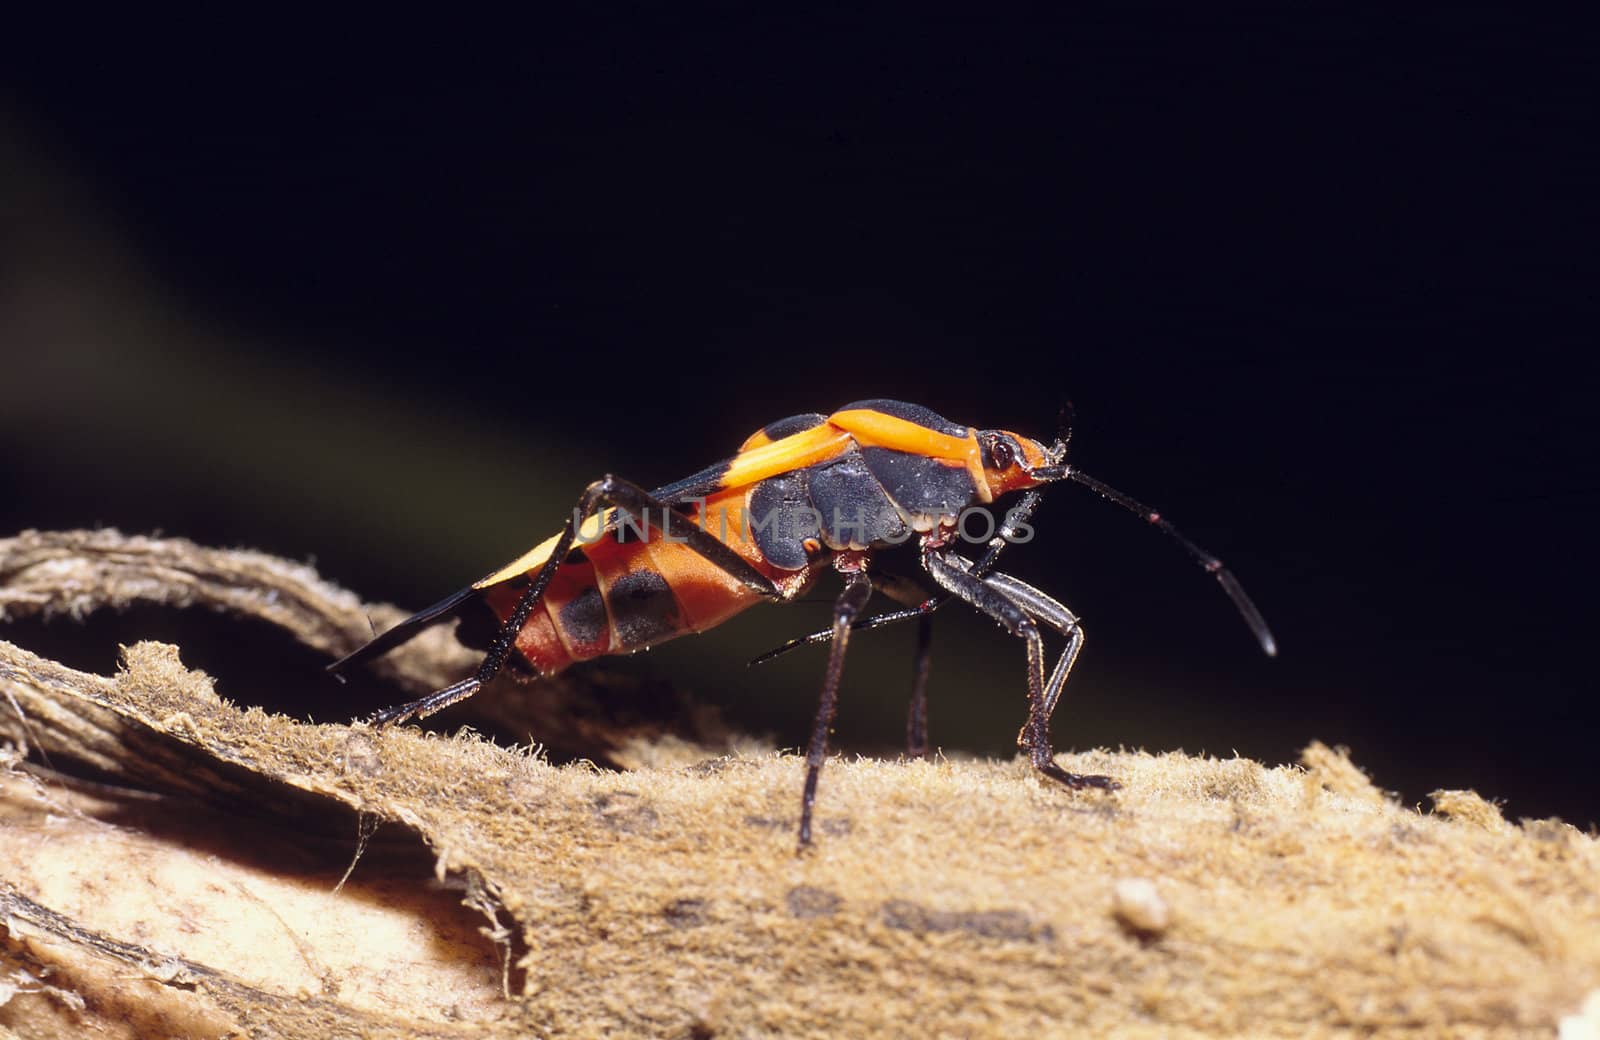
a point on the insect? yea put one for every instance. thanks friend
(805, 495)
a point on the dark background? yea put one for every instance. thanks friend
(1315, 284)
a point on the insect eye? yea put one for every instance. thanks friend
(1003, 454)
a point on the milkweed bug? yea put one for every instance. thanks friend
(633, 568)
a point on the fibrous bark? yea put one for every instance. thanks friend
(172, 870)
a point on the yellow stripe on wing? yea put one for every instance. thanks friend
(534, 558)
(797, 451)
(860, 426)
(874, 429)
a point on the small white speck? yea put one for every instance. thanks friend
(1138, 905)
(1585, 1025)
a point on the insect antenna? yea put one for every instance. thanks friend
(1212, 565)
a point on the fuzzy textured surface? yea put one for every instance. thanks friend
(189, 888)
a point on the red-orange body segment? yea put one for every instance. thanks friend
(703, 595)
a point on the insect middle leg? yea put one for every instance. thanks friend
(921, 607)
(916, 596)
(609, 491)
(1019, 607)
(857, 590)
(917, 714)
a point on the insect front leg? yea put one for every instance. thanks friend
(1016, 605)
(857, 590)
(1057, 616)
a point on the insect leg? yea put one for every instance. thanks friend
(857, 590)
(641, 504)
(917, 715)
(997, 600)
(1053, 613)
(1017, 516)
(608, 491)
(492, 662)
(901, 589)
(913, 593)
(826, 635)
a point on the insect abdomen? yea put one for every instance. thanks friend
(616, 596)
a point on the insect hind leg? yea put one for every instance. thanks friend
(422, 707)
